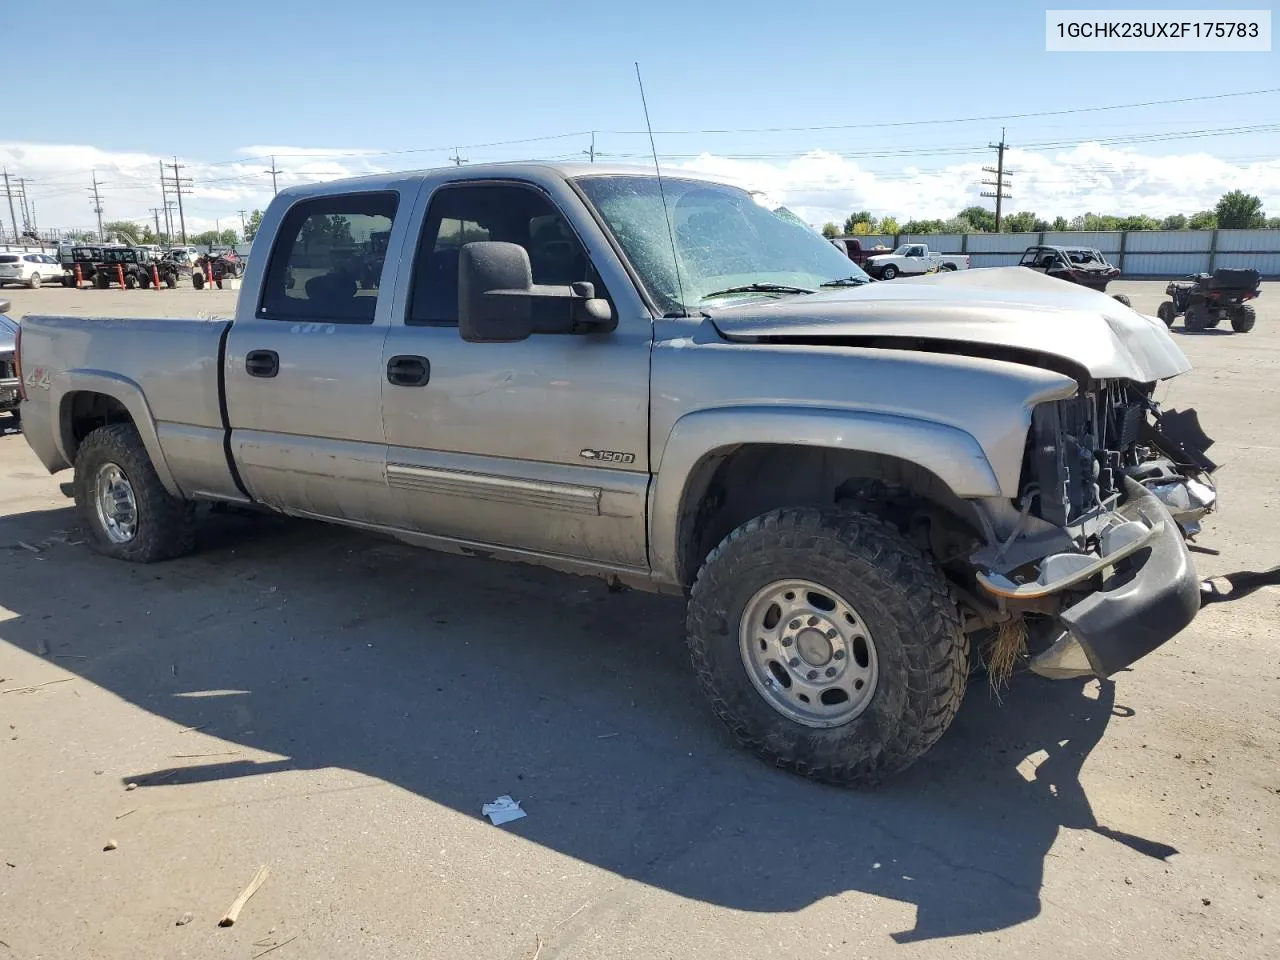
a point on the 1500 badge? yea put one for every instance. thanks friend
(607, 456)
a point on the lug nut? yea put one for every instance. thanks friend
(831, 634)
(813, 621)
(795, 624)
(793, 662)
(831, 671)
(813, 674)
(788, 641)
(839, 654)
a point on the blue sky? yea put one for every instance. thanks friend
(384, 76)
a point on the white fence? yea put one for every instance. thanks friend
(1138, 253)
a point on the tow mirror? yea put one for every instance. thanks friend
(498, 302)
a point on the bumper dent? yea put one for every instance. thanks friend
(1116, 627)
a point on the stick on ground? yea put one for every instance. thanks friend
(233, 913)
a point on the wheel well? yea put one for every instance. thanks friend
(85, 411)
(731, 486)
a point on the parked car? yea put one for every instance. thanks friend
(1204, 299)
(852, 247)
(87, 257)
(852, 494)
(9, 382)
(28, 269)
(913, 259)
(1086, 266)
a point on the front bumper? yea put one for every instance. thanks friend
(1155, 595)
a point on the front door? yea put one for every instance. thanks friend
(304, 367)
(539, 445)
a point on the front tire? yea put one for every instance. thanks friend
(889, 272)
(128, 513)
(810, 603)
(1243, 318)
(1167, 312)
(1196, 318)
(197, 280)
(34, 282)
(1121, 298)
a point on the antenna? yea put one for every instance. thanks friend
(671, 234)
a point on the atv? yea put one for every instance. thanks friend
(214, 268)
(1203, 299)
(84, 256)
(1086, 266)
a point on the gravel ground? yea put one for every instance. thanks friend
(339, 708)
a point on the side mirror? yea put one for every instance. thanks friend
(498, 302)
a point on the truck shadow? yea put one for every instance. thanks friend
(461, 680)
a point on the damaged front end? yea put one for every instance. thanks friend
(1095, 548)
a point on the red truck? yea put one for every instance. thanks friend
(852, 247)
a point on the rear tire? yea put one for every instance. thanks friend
(1243, 318)
(34, 282)
(170, 281)
(912, 627)
(130, 281)
(1121, 298)
(197, 280)
(163, 525)
(1167, 312)
(68, 281)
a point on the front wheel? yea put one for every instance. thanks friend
(889, 272)
(1167, 312)
(1121, 298)
(197, 280)
(123, 505)
(34, 282)
(1196, 318)
(1243, 318)
(827, 643)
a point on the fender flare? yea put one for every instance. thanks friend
(949, 452)
(119, 388)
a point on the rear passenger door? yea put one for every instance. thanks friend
(304, 368)
(539, 445)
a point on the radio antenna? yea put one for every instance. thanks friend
(662, 193)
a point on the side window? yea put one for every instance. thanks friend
(464, 214)
(327, 259)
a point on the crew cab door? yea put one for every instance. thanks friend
(539, 445)
(303, 365)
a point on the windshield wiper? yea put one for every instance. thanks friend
(758, 288)
(847, 282)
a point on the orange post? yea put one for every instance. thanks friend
(120, 275)
(79, 278)
(155, 277)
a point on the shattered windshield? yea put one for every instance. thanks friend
(1086, 256)
(726, 244)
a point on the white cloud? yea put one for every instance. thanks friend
(818, 186)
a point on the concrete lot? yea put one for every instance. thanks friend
(339, 708)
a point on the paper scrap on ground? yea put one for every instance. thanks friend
(503, 810)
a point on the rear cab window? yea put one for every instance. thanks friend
(326, 264)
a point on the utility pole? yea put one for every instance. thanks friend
(22, 199)
(273, 171)
(457, 160)
(155, 212)
(13, 219)
(591, 154)
(1000, 183)
(241, 212)
(178, 181)
(168, 218)
(164, 202)
(97, 207)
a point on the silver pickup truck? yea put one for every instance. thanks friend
(861, 488)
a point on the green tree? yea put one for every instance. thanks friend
(983, 220)
(255, 224)
(922, 226)
(1273, 223)
(148, 237)
(863, 217)
(960, 224)
(228, 237)
(208, 238)
(122, 230)
(82, 236)
(829, 230)
(1175, 221)
(1238, 210)
(1022, 222)
(1139, 222)
(1059, 224)
(890, 226)
(1204, 220)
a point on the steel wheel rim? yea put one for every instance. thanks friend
(116, 504)
(808, 653)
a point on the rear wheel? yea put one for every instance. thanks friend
(1121, 298)
(68, 281)
(34, 282)
(130, 281)
(197, 280)
(1243, 318)
(101, 281)
(1167, 312)
(170, 281)
(123, 505)
(144, 280)
(827, 643)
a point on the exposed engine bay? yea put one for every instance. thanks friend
(1110, 484)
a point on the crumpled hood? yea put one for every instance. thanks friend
(997, 307)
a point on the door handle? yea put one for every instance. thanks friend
(262, 363)
(407, 371)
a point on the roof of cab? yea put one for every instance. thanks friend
(484, 171)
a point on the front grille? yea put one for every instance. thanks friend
(8, 369)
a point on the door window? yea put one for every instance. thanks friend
(511, 213)
(327, 259)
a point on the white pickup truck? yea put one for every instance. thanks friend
(911, 259)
